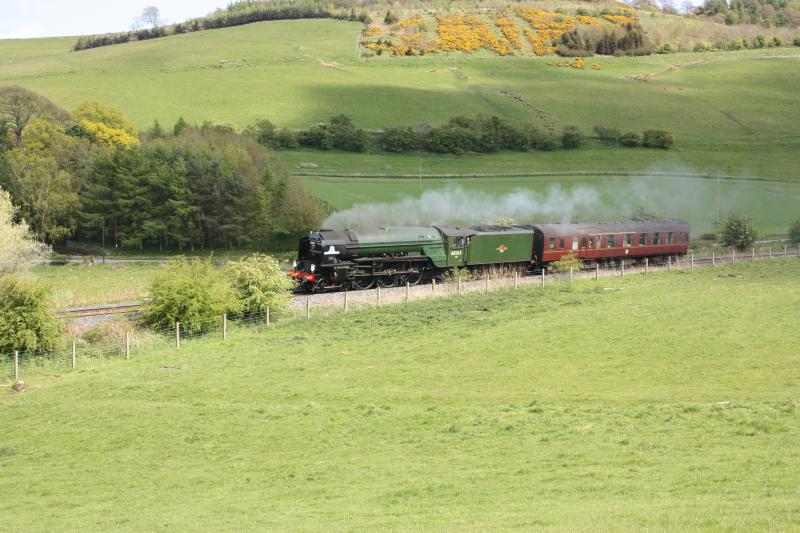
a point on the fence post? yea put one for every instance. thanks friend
(785, 249)
(622, 268)
(266, 315)
(177, 334)
(433, 286)
(378, 296)
(224, 326)
(669, 263)
(542, 276)
(713, 259)
(646, 265)
(516, 279)
(770, 250)
(570, 274)
(596, 271)
(308, 307)
(16, 365)
(127, 345)
(408, 290)
(692, 262)
(486, 283)
(733, 255)
(74, 354)
(345, 301)
(753, 255)
(459, 283)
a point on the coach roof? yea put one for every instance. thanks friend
(602, 228)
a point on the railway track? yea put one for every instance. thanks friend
(100, 310)
(299, 299)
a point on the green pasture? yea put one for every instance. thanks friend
(77, 285)
(772, 205)
(661, 402)
(733, 112)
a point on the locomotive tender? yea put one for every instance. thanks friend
(396, 255)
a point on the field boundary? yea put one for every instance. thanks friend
(571, 173)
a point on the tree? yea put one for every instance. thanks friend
(630, 138)
(180, 125)
(19, 106)
(193, 292)
(657, 139)
(41, 186)
(571, 137)
(17, 245)
(794, 232)
(26, 324)
(260, 283)
(738, 232)
(151, 16)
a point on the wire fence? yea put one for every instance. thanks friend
(127, 338)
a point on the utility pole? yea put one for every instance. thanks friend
(717, 197)
(420, 175)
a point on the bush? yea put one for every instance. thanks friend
(794, 232)
(796, 41)
(608, 135)
(738, 232)
(193, 292)
(26, 324)
(658, 139)
(546, 141)
(630, 138)
(572, 137)
(700, 46)
(259, 283)
(398, 140)
(566, 262)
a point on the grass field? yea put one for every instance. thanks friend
(771, 204)
(732, 112)
(77, 285)
(642, 403)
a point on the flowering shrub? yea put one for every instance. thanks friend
(109, 137)
(509, 29)
(468, 33)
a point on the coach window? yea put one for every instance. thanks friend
(656, 236)
(574, 243)
(612, 241)
(552, 245)
(585, 243)
(628, 240)
(560, 244)
(599, 242)
(669, 238)
(643, 239)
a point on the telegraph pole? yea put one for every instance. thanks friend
(420, 175)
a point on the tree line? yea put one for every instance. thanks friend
(481, 134)
(235, 14)
(89, 175)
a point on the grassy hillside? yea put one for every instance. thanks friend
(659, 402)
(731, 111)
(771, 205)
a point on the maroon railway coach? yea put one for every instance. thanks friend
(610, 241)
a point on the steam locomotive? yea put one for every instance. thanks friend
(396, 255)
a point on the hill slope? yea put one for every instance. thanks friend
(732, 111)
(664, 402)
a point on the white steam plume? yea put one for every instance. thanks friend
(454, 205)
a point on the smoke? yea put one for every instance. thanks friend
(455, 205)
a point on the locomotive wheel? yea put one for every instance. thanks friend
(387, 281)
(362, 283)
(412, 278)
(320, 286)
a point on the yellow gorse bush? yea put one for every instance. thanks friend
(109, 137)
(467, 33)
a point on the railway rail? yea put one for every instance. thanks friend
(299, 299)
